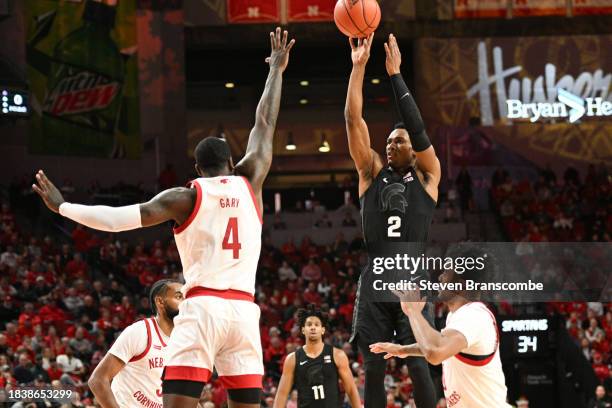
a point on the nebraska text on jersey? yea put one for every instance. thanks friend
(141, 347)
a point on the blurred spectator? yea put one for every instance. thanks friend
(311, 271)
(600, 400)
(72, 301)
(464, 186)
(279, 224)
(8, 311)
(23, 372)
(70, 364)
(323, 222)
(348, 220)
(286, 272)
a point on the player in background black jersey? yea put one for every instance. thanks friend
(397, 204)
(315, 369)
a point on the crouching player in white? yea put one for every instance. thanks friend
(129, 376)
(468, 347)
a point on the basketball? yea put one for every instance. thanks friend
(357, 18)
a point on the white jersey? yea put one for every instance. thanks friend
(474, 377)
(220, 242)
(141, 347)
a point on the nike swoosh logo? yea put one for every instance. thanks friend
(574, 102)
(303, 362)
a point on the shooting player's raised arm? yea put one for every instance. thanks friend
(367, 161)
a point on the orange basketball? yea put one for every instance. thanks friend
(357, 18)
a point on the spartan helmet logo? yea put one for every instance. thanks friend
(392, 198)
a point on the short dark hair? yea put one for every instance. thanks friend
(399, 125)
(159, 288)
(212, 153)
(311, 311)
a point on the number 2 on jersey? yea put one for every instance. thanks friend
(395, 223)
(232, 232)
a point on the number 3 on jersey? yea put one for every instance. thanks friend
(231, 232)
(395, 223)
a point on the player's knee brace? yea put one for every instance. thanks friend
(245, 395)
(185, 388)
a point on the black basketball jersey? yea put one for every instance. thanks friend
(316, 379)
(396, 208)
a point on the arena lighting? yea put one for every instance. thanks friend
(324, 148)
(375, 81)
(230, 85)
(304, 83)
(290, 144)
(303, 101)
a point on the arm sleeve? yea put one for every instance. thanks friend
(131, 342)
(103, 218)
(410, 114)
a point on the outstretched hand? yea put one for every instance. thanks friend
(48, 192)
(394, 56)
(390, 350)
(360, 53)
(279, 58)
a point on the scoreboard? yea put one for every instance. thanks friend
(528, 346)
(527, 337)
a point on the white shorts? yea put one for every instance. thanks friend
(211, 331)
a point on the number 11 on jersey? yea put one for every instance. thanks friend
(231, 232)
(319, 393)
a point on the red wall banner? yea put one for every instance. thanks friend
(480, 8)
(253, 11)
(591, 7)
(530, 8)
(310, 10)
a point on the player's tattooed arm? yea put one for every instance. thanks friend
(286, 382)
(367, 161)
(258, 158)
(345, 374)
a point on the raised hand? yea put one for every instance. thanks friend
(279, 58)
(394, 56)
(360, 53)
(411, 301)
(48, 192)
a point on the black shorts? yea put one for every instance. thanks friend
(375, 322)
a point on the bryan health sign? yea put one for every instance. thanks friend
(522, 94)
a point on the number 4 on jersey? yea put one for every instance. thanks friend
(232, 232)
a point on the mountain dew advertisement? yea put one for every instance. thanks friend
(82, 69)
